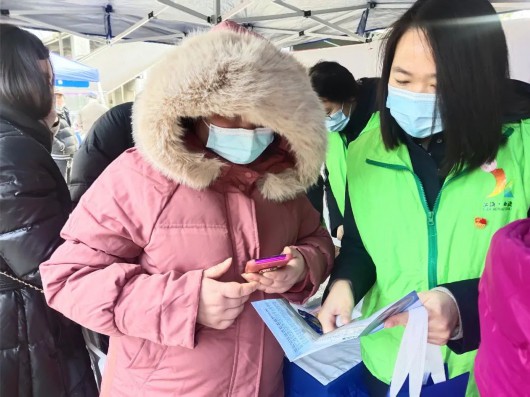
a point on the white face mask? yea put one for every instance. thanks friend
(414, 112)
(239, 145)
(337, 121)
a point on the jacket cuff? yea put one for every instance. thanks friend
(458, 332)
(465, 293)
(181, 332)
(310, 284)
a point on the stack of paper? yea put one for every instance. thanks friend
(304, 345)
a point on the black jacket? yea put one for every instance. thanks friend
(109, 137)
(355, 264)
(64, 141)
(42, 353)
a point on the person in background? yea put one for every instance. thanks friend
(63, 148)
(155, 251)
(442, 166)
(349, 104)
(109, 137)
(60, 106)
(42, 353)
(89, 113)
(502, 367)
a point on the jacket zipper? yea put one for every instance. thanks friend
(432, 230)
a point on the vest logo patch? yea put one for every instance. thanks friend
(500, 199)
(481, 223)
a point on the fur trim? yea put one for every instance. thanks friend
(230, 74)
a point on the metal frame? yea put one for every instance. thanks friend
(53, 11)
(243, 5)
(331, 36)
(315, 28)
(137, 25)
(177, 35)
(323, 22)
(28, 18)
(132, 20)
(31, 22)
(185, 9)
(297, 13)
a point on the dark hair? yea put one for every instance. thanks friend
(471, 56)
(333, 82)
(23, 84)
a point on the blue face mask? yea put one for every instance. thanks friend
(337, 121)
(239, 145)
(414, 112)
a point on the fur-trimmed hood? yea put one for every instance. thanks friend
(230, 74)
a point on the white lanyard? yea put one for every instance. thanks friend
(416, 358)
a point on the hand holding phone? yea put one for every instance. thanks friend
(268, 264)
(293, 270)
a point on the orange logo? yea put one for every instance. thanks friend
(481, 223)
(501, 183)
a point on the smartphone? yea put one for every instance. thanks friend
(269, 264)
(312, 321)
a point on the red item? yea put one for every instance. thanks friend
(270, 264)
(481, 223)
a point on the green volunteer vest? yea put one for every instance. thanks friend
(336, 166)
(415, 249)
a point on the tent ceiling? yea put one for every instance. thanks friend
(285, 22)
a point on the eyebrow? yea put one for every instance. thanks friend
(399, 69)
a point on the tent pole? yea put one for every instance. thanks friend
(269, 17)
(157, 38)
(315, 28)
(126, 32)
(54, 28)
(299, 13)
(61, 47)
(137, 25)
(332, 36)
(102, 97)
(185, 9)
(52, 11)
(217, 11)
(331, 25)
(243, 4)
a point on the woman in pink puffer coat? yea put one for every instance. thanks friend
(229, 134)
(502, 366)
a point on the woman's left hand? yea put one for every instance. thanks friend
(443, 316)
(282, 280)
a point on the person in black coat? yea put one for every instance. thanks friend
(109, 137)
(42, 353)
(63, 148)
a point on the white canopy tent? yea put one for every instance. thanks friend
(284, 22)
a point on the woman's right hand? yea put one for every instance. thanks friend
(221, 303)
(339, 303)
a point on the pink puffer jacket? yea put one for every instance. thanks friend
(138, 242)
(502, 366)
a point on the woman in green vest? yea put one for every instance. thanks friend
(438, 170)
(349, 104)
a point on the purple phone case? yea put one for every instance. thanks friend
(271, 259)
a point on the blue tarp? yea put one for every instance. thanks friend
(72, 74)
